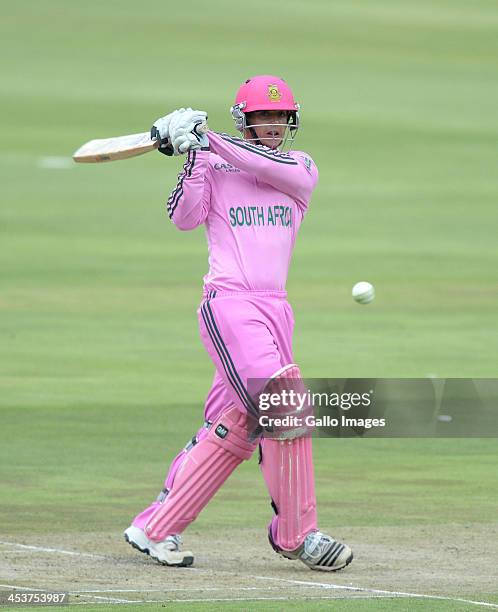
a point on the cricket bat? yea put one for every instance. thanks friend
(119, 147)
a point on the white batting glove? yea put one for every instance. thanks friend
(162, 124)
(184, 134)
(160, 130)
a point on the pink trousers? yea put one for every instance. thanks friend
(248, 335)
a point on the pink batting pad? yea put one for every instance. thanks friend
(143, 518)
(205, 468)
(287, 467)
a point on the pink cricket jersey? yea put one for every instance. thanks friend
(251, 200)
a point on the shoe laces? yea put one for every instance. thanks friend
(175, 541)
(316, 544)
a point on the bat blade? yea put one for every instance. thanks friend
(111, 149)
(119, 147)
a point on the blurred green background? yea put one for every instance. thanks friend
(103, 375)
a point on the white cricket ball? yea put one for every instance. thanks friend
(363, 292)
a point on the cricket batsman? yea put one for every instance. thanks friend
(251, 197)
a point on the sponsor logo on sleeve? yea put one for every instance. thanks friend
(307, 162)
(226, 167)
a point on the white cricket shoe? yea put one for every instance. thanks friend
(319, 552)
(166, 552)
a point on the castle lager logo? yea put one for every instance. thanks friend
(273, 93)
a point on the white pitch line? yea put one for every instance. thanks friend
(108, 599)
(205, 599)
(324, 585)
(61, 551)
(191, 589)
(52, 550)
(373, 594)
(138, 602)
(180, 589)
(328, 597)
(327, 585)
(23, 588)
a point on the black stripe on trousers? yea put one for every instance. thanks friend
(225, 358)
(249, 399)
(222, 359)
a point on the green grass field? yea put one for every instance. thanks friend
(103, 376)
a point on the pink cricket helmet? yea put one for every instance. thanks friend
(264, 92)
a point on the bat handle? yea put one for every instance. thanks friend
(154, 135)
(166, 147)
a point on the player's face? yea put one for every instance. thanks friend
(269, 126)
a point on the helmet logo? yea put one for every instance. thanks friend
(273, 93)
